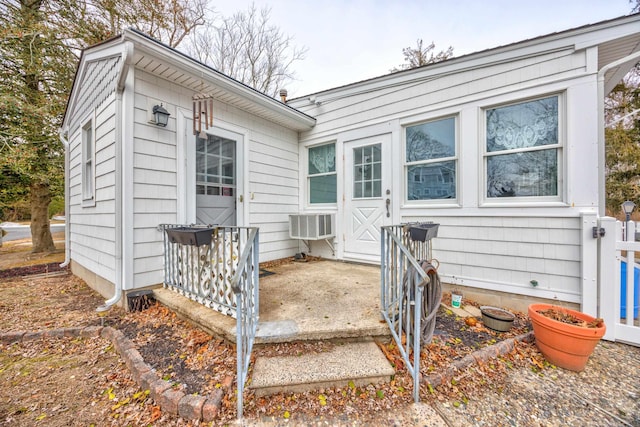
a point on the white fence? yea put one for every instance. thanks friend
(613, 251)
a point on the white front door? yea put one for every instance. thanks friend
(368, 198)
(217, 178)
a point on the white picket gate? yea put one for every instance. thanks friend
(611, 250)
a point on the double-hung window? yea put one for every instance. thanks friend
(321, 174)
(431, 160)
(523, 151)
(88, 163)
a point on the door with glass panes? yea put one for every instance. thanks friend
(368, 198)
(216, 179)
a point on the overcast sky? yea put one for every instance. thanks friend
(349, 41)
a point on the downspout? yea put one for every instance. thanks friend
(601, 141)
(67, 249)
(119, 276)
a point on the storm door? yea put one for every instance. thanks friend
(216, 180)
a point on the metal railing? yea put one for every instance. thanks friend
(222, 274)
(204, 273)
(245, 284)
(401, 305)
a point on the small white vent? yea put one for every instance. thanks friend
(311, 226)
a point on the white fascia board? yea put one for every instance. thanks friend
(195, 68)
(615, 31)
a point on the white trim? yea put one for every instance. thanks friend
(97, 53)
(185, 161)
(127, 195)
(601, 81)
(506, 287)
(88, 131)
(589, 265)
(172, 58)
(241, 136)
(560, 147)
(456, 158)
(307, 177)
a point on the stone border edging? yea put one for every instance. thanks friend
(174, 402)
(503, 347)
(195, 407)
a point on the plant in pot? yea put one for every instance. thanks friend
(565, 337)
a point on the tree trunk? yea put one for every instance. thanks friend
(40, 231)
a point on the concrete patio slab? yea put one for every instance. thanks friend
(312, 300)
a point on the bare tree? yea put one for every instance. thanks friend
(422, 55)
(248, 48)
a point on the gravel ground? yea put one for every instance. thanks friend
(83, 381)
(606, 393)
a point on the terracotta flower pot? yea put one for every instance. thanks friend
(562, 344)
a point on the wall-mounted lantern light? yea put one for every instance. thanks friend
(160, 115)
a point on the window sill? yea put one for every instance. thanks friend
(523, 204)
(431, 205)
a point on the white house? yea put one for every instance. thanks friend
(504, 148)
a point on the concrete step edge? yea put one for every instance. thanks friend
(360, 362)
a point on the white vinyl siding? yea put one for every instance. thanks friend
(507, 253)
(483, 243)
(274, 187)
(270, 174)
(92, 222)
(436, 88)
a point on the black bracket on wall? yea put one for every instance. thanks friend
(598, 232)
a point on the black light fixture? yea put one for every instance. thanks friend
(160, 115)
(627, 208)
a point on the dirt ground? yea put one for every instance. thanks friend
(17, 253)
(83, 382)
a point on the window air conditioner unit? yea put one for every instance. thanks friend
(311, 226)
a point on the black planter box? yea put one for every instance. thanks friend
(423, 232)
(193, 236)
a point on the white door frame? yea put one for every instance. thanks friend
(373, 209)
(186, 167)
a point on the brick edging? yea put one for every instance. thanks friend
(174, 402)
(503, 347)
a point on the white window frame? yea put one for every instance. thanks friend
(560, 148)
(455, 158)
(309, 176)
(88, 168)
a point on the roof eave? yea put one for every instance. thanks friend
(299, 120)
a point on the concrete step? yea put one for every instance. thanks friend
(302, 326)
(360, 362)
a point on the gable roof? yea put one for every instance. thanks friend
(143, 52)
